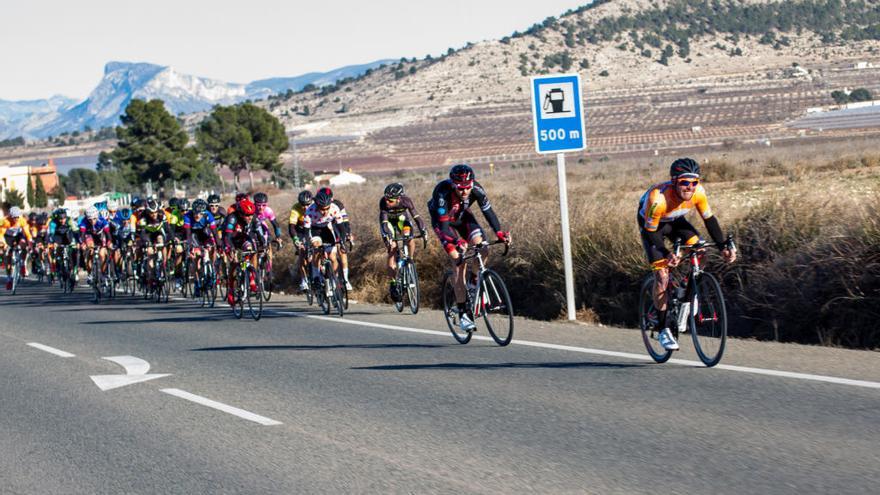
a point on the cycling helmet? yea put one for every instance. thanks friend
(305, 198)
(199, 206)
(173, 203)
(183, 204)
(327, 191)
(152, 206)
(322, 199)
(105, 214)
(58, 213)
(684, 167)
(247, 207)
(213, 200)
(260, 198)
(125, 214)
(42, 218)
(14, 212)
(137, 202)
(92, 213)
(112, 205)
(461, 174)
(394, 191)
(239, 197)
(32, 217)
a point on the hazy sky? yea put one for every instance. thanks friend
(60, 47)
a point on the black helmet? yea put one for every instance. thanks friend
(199, 206)
(183, 204)
(393, 191)
(305, 198)
(327, 191)
(461, 174)
(323, 200)
(136, 203)
(58, 213)
(152, 206)
(684, 167)
(32, 216)
(173, 203)
(214, 199)
(261, 198)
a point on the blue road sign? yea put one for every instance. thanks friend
(557, 113)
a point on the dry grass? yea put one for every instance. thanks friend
(805, 221)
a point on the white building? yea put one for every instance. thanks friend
(343, 178)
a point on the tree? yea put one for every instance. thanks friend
(152, 147)
(41, 200)
(29, 190)
(14, 198)
(59, 195)
(242, 137)
(860, 94)
(82, 182)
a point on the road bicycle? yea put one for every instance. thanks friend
(328, 290)
(65, 267)
(17, 264)
(695, 304)
(158, 287)
(487, 297)
(103, 284)
(407, 275)
(266, 275)
(244, 273)
(207, 279)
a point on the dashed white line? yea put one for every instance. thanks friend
(51, 350)
(241, 413)
(602, 352)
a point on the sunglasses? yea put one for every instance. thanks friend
(464, 187)
(688, 183)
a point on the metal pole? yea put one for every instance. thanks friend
(566, 236)
(295, 162)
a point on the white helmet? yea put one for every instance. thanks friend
(112, 205)
(92, 213)
(15, 212)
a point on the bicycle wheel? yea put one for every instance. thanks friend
(221, 273)
(401, 293)
(16, 273)
(412, 287)
(648, 322)
(239, 289)
(96, 278)
(708, 319)
(266, 277)
(310, 293)
(210, 286)
(450, 311)
(494, 300)
(110, 279)
(338, 290)
(255, 299)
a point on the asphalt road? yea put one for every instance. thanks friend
(340, 407)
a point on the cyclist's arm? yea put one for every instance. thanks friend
(483, 200)
(411, 207)
(385, 228)
(701, 201)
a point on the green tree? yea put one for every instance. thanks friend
(82, 182)
(59, 195)
(152, 146)
(860, 94)
(14, 198)
(41, 200)
(242, 137)
(29, 190)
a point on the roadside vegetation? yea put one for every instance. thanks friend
(805, 220)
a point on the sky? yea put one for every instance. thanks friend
(60, 46)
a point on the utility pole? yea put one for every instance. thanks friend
(296, 181)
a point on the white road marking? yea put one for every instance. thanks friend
(135, 372)
(602, 352)
(51, 350)
(241, 413)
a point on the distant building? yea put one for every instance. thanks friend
(15, 177)
(862, 65)
(344, 178)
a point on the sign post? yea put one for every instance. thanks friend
(558, 119)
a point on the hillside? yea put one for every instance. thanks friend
(614, 44)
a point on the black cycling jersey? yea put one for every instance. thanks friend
(448, 210)
(389, 216)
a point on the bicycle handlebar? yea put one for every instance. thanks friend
(483, 244)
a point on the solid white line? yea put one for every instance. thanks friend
(51, 350)
(241, 413)
(602, 352)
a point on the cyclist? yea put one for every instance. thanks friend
(94, 233)
(14, 231)
(153, 232)
(662, 211)
(297, 232)
(265, 217)
(63, 231)
(322, 224)
(215, 209)
(239, 197)
(456, 226)
(176, 234)
(397, 213)
(344, 231)
(201, 232)
(41, 241)
(238, 235)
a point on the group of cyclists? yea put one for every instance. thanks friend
(320, 229)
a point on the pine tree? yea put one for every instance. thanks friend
(29, 191)
(41, 200)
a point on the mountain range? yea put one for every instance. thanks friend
(123, 81)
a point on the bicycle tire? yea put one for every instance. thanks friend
(450, 311)
(412, 288)
(16, 274)
(96, 278)
(648, 327)
(338, 289)
(266, 277)
(401, 281)
(495, 299)
(257, 313)
(238, 294)
(708, 319)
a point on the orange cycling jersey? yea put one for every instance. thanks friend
(660, 203)
(20, 225)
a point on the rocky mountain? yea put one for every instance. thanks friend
(123, 81)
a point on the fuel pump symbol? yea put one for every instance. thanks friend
(554, 100)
